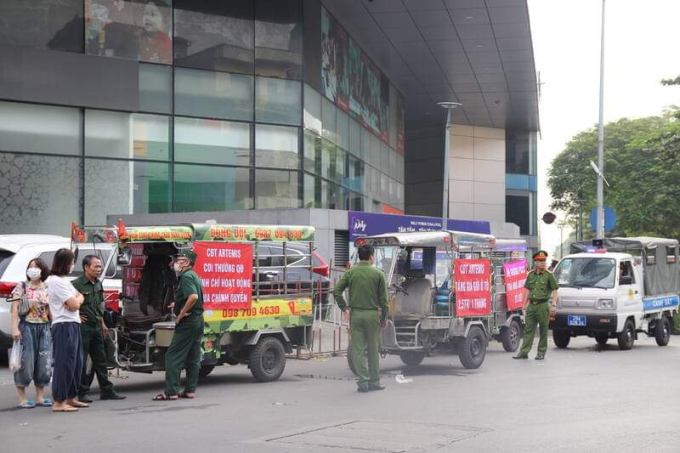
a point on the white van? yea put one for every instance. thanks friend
(17, 250)
(617, 289)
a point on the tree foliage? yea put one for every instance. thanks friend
(642, 166)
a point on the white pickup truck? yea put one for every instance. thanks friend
(618, 289)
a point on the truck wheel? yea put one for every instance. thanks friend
(205, 370)
(512, 336)
(662, 331)
(601, 338)
(267, 360)
(627, 336)
(473, 348)
(412, 358)
(561, 338)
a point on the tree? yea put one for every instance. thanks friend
(642, 165)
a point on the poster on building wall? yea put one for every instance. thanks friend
(401, 127)
(226, 272)
(473, 287)
(515, 274)
(351, 80)
(334, 61)
(137, 29)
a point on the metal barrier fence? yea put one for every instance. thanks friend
(330, 330)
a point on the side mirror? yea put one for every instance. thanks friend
(626, 280)
(125, 256)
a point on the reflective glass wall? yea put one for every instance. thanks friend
(224, 122)
(520, 180)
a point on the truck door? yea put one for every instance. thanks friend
(629, 294)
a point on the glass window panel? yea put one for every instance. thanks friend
(155, 88)
(210, 94)
(329, 120)
(277, 146)
(375, 151)
(277, 189)
(312, 115)
(212, 141)
(326, 164)
(356, 174)
(343, 130)
(211, 188)
(516, 182)
(338, 172)
(217, 35)
(278, 38)
(141, 30)
(43, 24)
(356, 202)
(517, 155)
(126, 135)
(517, 212)
(384, 157)
(355, 138)
(309, 191)
(366, 145)
(278, 101)
(39, 129)
(312, 149)
(140, 188)
(45, 199)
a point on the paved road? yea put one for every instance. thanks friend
(580, 399)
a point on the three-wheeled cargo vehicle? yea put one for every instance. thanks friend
(617, 289)
(257, 309)
(430, 310)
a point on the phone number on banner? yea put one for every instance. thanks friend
(264, 309)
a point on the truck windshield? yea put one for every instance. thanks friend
(586, 273)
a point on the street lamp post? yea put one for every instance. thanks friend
(449, 106)
(600, 143)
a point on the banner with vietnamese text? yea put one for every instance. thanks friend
(226, 271)
(515, 277)
(473, 288)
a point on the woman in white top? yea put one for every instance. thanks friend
(65, 303)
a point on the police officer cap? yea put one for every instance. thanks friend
(189, 254)
(541, 255)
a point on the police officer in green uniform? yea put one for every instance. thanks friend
(185, 347)
(541, 303)
(368, 308)
(93, 330)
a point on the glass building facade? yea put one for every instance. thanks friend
(520, 181)
(231, 114)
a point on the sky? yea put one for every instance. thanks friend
(641, 48)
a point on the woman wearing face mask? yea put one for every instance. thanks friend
(33, 329)
(65, 304)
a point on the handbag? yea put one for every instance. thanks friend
(23, 302)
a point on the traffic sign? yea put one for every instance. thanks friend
(609, 219)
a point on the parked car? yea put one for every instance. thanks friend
(17, 250)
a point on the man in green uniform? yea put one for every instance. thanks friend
(93, 330)
(185, 347)
(368, 307)
(540, 305)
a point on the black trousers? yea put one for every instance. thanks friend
(68, 360)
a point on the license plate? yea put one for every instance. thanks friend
(573, 320)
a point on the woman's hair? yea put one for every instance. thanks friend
(44, 270)
(61, 264)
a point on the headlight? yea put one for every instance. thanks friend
(605, 304)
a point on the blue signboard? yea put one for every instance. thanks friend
(609, 219)
(657, 303)
(369, 224)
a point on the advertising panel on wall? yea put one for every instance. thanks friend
(369, 224)
(139, 29)
(351, 80)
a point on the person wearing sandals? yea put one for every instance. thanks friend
(185, 347)
(65, 303)
(33, 329)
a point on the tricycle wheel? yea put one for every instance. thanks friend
(512, 336)
(412, 358)
(267, 360)
(472, 350)
(205, 370)
(662, 331)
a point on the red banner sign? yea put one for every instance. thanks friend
(473, 287)
(515, 276)
(226, 271)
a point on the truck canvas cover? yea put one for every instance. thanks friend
(661, 274)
